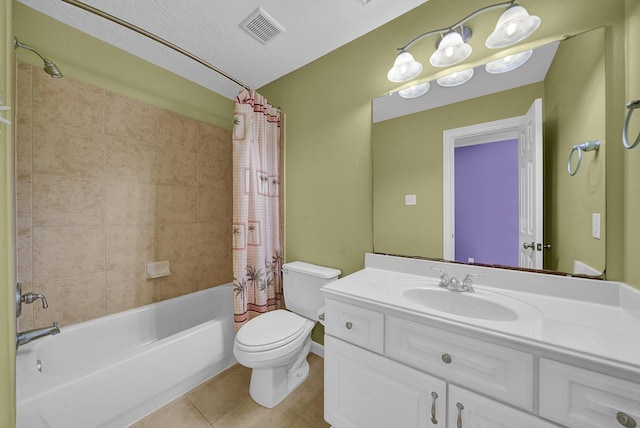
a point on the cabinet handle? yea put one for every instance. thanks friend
(460, 407)
(625, 420)
(348, 325)
(446, 358)
(433, 408)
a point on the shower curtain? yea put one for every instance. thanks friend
(256, 240)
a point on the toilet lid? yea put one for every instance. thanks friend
(271, 330)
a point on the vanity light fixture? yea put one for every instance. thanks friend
(451, 50)
(514, 25)
(455, 79)
(508, 63)
(405, 68)
(415, 91)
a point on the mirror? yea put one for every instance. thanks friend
(408, 154)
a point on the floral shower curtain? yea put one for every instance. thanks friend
(256, 240)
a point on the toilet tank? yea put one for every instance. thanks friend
(302, 283)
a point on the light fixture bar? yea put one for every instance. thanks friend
(457, 24)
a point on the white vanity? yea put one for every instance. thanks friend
(523, 350)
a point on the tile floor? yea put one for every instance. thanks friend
(224, 401)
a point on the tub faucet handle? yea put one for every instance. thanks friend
(32, 297)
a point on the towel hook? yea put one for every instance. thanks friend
(587, 146)
(631, 105)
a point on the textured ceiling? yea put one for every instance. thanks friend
(211, 31)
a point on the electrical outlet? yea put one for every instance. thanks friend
(409, 199)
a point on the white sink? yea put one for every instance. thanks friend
(469, 305)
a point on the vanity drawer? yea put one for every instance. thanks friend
(362, 327)
(577, 397)
(494, 370)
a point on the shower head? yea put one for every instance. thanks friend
(49, 67)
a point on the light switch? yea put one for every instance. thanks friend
(595, 225)
(409, 199)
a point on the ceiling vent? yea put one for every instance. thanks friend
(261, 26)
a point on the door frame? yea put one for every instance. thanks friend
(482, 133)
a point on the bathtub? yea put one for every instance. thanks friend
(112, 371)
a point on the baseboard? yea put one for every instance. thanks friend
(317, 349)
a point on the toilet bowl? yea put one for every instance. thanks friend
(276, 344)
(279, 363)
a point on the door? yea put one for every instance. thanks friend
(366, 390)
(528, 130)
(530, 183)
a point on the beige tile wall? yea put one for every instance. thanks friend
(107, 184)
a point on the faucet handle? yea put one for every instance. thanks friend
(467, 281)
(444, 278)
(32, 297)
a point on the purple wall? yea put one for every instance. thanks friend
(486, 198)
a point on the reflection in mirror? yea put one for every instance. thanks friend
(408, 154)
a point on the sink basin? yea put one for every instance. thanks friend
(469, 305)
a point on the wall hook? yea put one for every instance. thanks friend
(631, 105)
(587, 146)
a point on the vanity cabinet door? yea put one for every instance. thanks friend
(581, 398)
(497, 371)
(365, 390)
(470, 410)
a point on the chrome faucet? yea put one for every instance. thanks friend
(32, 297)
(454, 284)
(30, 335)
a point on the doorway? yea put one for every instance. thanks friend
(527, 131)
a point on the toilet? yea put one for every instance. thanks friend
(276, 344)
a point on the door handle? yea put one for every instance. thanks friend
(526, 245)
(546, 247)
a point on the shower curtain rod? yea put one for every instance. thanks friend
(152, 36)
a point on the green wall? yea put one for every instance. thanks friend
(575, 112)
(328, 216)
(7, 226)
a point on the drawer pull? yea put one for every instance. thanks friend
(625, 420)
(446, 358)
(433, 408)
(348, 325)
(460, 407)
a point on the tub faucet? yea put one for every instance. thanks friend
(29, 335)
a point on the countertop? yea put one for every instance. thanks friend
(598, 321)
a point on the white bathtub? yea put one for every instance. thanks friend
(112, 371)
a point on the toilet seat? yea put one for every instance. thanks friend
(269, 331)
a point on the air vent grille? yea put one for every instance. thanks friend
(261, 26)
